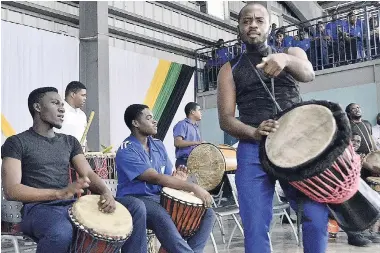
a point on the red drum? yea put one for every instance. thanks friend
(313, 152)
(185, 209)
(99, 232)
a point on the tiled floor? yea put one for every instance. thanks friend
(284, 241)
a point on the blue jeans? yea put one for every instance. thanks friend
(181, 161)
(255, 193)
(49, 224)
(159, 220)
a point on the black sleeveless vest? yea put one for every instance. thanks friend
(253, 101)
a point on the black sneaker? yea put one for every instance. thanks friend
(358, 239)
(372, 236)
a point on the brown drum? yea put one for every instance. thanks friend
(98, 232)
(373, 159)
(208, 163)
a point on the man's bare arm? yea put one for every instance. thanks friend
(84, 169)
(14, 190)
(299, 66)
(179, 142)
(226, 101)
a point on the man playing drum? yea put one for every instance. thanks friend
(238, 83)
(186, 133)
(35, 171)
(143, 168)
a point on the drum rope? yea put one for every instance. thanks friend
(272, 96)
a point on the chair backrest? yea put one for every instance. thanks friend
(231, 181)
(10, 210)
(112, 185)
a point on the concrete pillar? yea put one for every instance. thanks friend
(94, 69)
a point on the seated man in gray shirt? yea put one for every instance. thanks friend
(35, 171)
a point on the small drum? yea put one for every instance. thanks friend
(373, 159)
(374, 183)
(99, 232)
(313, 152)
(185, 209)
(333, 229)
(208, 163)
(102, 164)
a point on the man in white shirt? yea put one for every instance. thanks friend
(75, 120)
(376, 132)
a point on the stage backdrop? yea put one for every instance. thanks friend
(166, 87)
(32, 58)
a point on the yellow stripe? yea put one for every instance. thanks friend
(157, 83)
(6, 128)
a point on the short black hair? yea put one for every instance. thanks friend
(74, 86)
(348, 108)
(133, 112)
(36, 95)
(192, 106)
(241, 11)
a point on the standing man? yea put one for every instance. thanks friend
(143, 168)
(35, 172)
(376, 132)
(238, 83)
(186, 133)
(75, 120)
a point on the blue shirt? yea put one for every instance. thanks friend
(336, 25)
(304, 44)
(132, 160)
(189, 132)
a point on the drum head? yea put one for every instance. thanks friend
(117, 224)
(304, 133)
(206, 162)
(374, 180)
(373, 158)
(183, 196)
(307, 143)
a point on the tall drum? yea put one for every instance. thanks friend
(99, 232)
(208, 163)
(313, 152)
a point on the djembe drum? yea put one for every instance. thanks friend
(185, 209)
(374, 183)
(209, 163)
(373, 159)
(313, 152)
(98, 232)
(102, 164)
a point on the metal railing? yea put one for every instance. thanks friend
(339, 41)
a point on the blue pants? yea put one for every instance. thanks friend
(255, 193)
(181, 161)
(161, 223)
(49, 224)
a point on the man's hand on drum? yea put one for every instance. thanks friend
(273, 64)
(107, 203)
(181, 173)
(203, 195)
(265, 128)
(74, 188)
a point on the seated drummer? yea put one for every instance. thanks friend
(143, 168)
(35, 172)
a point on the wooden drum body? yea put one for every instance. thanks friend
(373, 159)
(99, 232)
(208, 164)
(185, 209)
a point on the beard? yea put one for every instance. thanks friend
(356, 117)
(258, 44)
